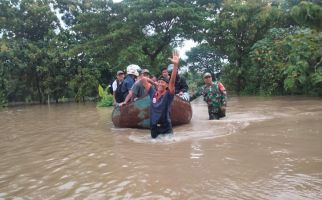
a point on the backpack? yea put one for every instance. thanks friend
(118, 93)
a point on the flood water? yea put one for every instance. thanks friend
(266, 148)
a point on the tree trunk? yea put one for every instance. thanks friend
(238, 80)
(38, 89)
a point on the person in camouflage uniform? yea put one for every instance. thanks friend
(214, 94)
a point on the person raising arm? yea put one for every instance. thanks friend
(161, 99)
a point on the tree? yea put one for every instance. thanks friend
(161, 25)
(266, 74)
(308, 14)
(288, 62)
(27, 26)
(141, 32)
(204, 58)
(236, 28)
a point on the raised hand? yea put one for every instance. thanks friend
(175, 58)
(175, 61)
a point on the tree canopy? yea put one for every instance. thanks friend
(56, 49)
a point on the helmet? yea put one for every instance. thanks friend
(133, 69)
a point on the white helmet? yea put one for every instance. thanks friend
(133, 69)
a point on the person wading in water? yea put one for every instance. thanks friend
(161, 99)
(215, 95)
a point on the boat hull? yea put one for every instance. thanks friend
(137, 113)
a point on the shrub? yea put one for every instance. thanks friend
(106, 99)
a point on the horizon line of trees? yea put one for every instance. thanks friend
(54, 49)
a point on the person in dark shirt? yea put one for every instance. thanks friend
(181, 86)
(161, 99)
(132, 73)
(117, 85)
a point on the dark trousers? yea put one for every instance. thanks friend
(215, 113)
(161, 128)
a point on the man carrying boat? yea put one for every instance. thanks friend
(161, 99)
(215, 96)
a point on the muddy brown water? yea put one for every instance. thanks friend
(266, 148)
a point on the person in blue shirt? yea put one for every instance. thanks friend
(132, 73)
(161, 99)
(138, 90)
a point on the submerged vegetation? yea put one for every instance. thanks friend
(61, 49)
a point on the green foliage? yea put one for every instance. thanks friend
(106, 99)
(194, 80)
(101, 92)
(235, 29)
(229, 71)
(204, 58)
(288, 62)
(265, 76)
(84, 82)
(304, 61)
(63, 99)
(308, 14)
(41, 59)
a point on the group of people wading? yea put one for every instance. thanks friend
(138, 83)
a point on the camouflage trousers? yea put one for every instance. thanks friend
(215, 112)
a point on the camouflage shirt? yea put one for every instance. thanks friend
(214, 95)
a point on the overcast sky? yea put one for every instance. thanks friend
(187, 45)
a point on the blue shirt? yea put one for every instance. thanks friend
(160, 110)
(127, 85)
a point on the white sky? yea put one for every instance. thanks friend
(187, 45)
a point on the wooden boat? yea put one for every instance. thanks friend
(137, 113)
